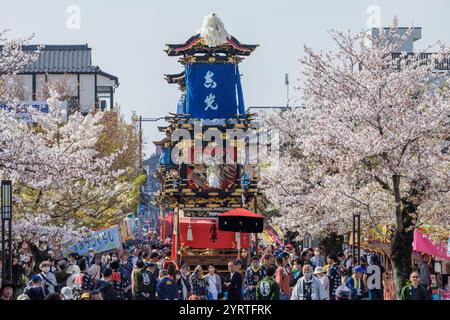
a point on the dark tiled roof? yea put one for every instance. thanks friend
(62, 58)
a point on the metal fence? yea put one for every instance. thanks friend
(440, 65)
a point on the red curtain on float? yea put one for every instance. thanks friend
(174, 247)
(168, 225)
(206, 235)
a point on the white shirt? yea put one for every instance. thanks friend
(212, 286)
(317, 290)
(326, 285)
(185, 291)
(95, 272)
(134, 259)
(50, 282)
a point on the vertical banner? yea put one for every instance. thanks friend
(211, 90)
(181, 104)
(274, 234)
(240, 95)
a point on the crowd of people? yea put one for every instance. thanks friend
(145, 272)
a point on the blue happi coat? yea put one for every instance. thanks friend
(252, 278)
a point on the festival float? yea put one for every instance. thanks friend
(204, 168)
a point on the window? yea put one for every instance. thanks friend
(103, 104)
(72, 105)
(104, 96)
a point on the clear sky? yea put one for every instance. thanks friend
(128, 38)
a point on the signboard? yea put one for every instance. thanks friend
(100, 241)
(211, 90)
(128, 227)
(22, 109)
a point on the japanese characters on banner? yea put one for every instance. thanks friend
(100, 241)
(206, 234)
(271, 235)
(42, 106)
(211, 90)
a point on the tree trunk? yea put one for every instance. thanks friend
(401, 245)
(401, 250)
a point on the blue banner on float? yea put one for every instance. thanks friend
(211, 91)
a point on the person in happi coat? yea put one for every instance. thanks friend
(253, 274)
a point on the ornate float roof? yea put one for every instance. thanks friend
(161, 142)
(175, 78)
(196, 44)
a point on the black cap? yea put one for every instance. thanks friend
(7, 284)
(107, 272)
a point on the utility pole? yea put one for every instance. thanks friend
(356, 238)
(141, 119)
(141, 156)
(286, 82)
(6, 218)
(140, 143)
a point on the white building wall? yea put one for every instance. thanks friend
(27, 80)
(70, 79)
(87, 92)
(408, 45)
(103, 81)
(40, 81)
(87, 86)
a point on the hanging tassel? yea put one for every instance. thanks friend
(238, 240)
(189, 236)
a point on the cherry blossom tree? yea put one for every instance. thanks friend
(370, 137)
(63, 185)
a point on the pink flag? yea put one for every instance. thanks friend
(274, 235)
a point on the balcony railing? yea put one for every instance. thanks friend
(267, 109)
(439, 65)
